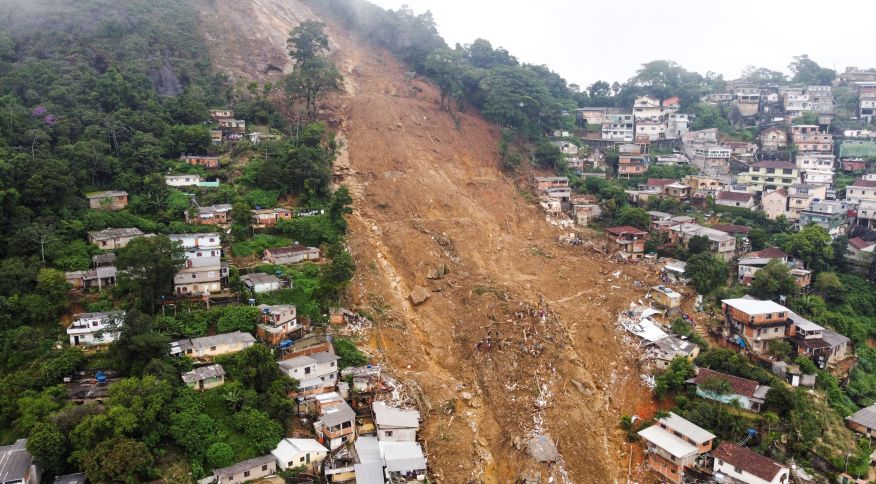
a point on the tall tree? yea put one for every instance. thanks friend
(812, 244)
(707, 273)
(807, 71)
(773, 280)
(307, 41)
(147, 267)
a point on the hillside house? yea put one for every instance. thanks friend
(291, 453)
(278, 322)
(809, 138)
(721, 244)
(566, 147)
(112, 239)
(800, 198)
(632, 165)
(99, 278)
(208, 347)
(204, 270)
(591, 116)
(757, 321)
(863, 188)
(831, 215)
(661, 352)
(217, 114)
(677, 191)
(584, 214)
(95, 328)
(390, 461)
(673, 444)
(774, 203)
(219, 214)
(666, 298)
(852, 165)
(773, 140)
(205, 377)
(711, 159)
(769, 175)
(110, 200)
(735, 199)
(336, 426)
(246, 471)
(864, 421)
(740, 232)
(211, 162)
(824, 347)
(256, 137)
(290, 255)
(704, 183)
(738, 464)
(316, 373)
(674, 159)
(543, 183)
(628, 241)
(618, 127)
(395, 424)
(259, 283)
(269, 217)
(859, 253)
(663, 222)
(677, 125)
(750, 263)
(17, 465)
(182, 180)
(750, 394)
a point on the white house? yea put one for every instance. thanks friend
(210, 346)
(292, 453)
(182, 180)
(95, 328)
(316, 373)
(746, 466)
(395, 424)
(203, 271)
(260, 283)
(403, 461)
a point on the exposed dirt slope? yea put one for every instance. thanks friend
(519, 337)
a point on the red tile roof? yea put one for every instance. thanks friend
(671, 100)
(768, 253)
(860, 243)
(775, 164)
(732, 228)
(861, 182)
(624, 229)
(747, 460)
(735, 196)
(659, 182)
(741, 386)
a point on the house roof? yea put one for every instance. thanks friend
(103, 259)
(671, 100)
(216, 340)
(370, 473)
(368, 450)
(741, 386)
(294, 248)
(735, 196)
(753, 306)
(221, 207)
(78, 478)
(659, 182)
(804, 323)
(687, 428)
(287, 448)
(384, 415)
(259, 278)
(402, 456)
(243, 466)
(833, 338)
(202, 373)
(337, 415)
(14, 461)
(624, 229)
(775, 164)
(266, 211)
(747, 460)
(860, 243)
(861, 182)
(108, 193)
(551, 178)
(114, 233)
(659, 215)
(768, 253)
(667, 441)
(732, 228)
(865, 416)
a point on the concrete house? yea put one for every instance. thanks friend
(673, 444)
(831, 215)
(203, 271)
(773, 140)
(17, 465)
(864, 421)
(278, 322)
(182, 180)
(774, 203)
(628, 241)
(800, 198)
(711, 159)
(316, 373)
(859, 253)
(211, 162)
(290, 255)
(217, 114)
(205, 377)
(619, 127)
(632, 165)
(824, 347)
(863, 188)
(214, 214)
(95, 328)
(99, 278)
(757, 321)
(395, 424)
(291, 453)
(721, 244)
(738, 464)
(591, 115)
(246, 471)
(269, 217)
(207, 347)
(752, 262)
(584, 214)
(109, 200)
(398, 461)
(260, 283)
(336, 426)
(750, 394)
(542, 183)
(735, 199)
(810, 138)
(769, 175)
(112, 239)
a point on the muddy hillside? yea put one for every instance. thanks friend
(517, 340)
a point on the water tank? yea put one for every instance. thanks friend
(286, 343)
(100, 377)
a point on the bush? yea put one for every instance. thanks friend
(349, 354)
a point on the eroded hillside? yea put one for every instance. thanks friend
(519, 337)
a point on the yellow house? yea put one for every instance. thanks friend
(769, 175)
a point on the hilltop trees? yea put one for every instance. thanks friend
(313, 74)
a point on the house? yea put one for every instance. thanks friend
(291, 453)
(628, 241)
(720, 243)
(645, 107)
(592, 115)
(704, 183)
(246, 471)
(863, 188)
(819, 164)
(863, 421)
(207, 347)
(278, 323)
(800, 198)
(268, 217)
(182, 180)
(542, 183)
(17, 465)
(859, 253)
(316, 373)
(211, 162)
(216, 136)
(336, 426)
(398, 461)
(204, 270)
(111, 239)
(752, 262)
(810, 138)
(256, 137)
(395, 424)
(109, 200)
(749, 394)
(824, 347)
(618, 127)
(735, 199)
(773, 140)
(217, 114)
(663, 222)
(566, 147)
(831, 215)
(756, 321)
(213, 214)
(666, 298)
(866, 214)
(740, 232)
(673, 159)
(99, 277)
(205, 377)
(853, 165)
(678, 191)
(290, 255)
(260, 283)
(711, 159)
(673, 444)
(661, 352)
(78, 478)
(738, 464)
(584, 214)
(95, 328)
(769, 175)
(774, 203)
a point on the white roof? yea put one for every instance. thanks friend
(647, 330)
(288, 448)
(676, 446)
(753, 306)
(387, 416)
(402, 456)
(368, 450)
(687, 428)
(804, 323)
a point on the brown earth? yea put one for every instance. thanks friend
(519, 337)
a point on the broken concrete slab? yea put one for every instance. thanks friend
(419, 295)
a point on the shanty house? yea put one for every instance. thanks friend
(213, 214)
(864, 421)
(207, 347)
(246, 471)
(269, 217)
(109, 200)
(205, 161)
(111, 239)
(278, 322)
(290, 255)
(673, 444)
(395, 424)
(260, 283)
(205, 377)
(738, 464)
(628, 241)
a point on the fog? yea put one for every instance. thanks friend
(586, 41)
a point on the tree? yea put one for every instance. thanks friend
(147, 267)
(118, 460)
(698, 244)
(138, 343)
(706, 273)
(48, 445)
(219, 455)
(716, 386)
(773, 280)
(348, 354)
(310, 80)
(307, 41)
(808, 72)
(547, 155)
(636, 217)
(830, 287)
(812, 244)
(263, 432)
(334, 276)
(194, 430)
(338, 207)
(680, 370)
(255, 368)
(238, 318)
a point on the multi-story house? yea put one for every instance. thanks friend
(632, 165)
(95, 328)
(738, 464)
(866, 214)
(749, 264)
(863, 188)
(629, 241)
(336, 426)
(867, 107)
(816, 168)
(721, 244)
(673, 445)
(711, 159)
(756, 321)
(591, 115)
(773, 140)
(278, 322)
(110, 200)
(316, 373)
(545, 182)
(704, 183)
(769, 175)
(774, 203)
(217, 114)
(619, 127)
(645, 107)
(808, 137)
(203, 271)
(211, 215)
(677, 125)
(832, 215)
(797, 104)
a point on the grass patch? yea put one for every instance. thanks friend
(304, 291)
(216, 407)
(258, 244)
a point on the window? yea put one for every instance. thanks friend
(245, 473)
(738, 470)
(307, 370)
(389, 433)
(265, 467)
(302, 459)
(212, 348)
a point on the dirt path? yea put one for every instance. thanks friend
(496, 362)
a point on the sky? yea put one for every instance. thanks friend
(586, 41)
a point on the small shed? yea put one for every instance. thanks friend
(666, 297)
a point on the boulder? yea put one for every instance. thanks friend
(419, 295)
(542, 448)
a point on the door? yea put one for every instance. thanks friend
(76, 340)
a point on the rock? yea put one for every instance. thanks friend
(419, 295)
(542, 448)
(482, 442)
(465, 396)
(439, 272)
